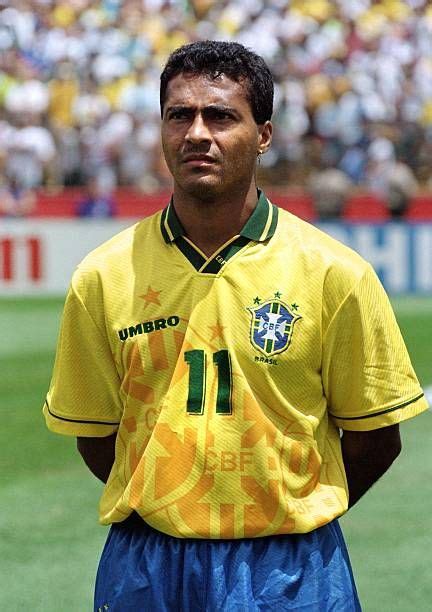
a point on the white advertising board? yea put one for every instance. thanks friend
(37, 257)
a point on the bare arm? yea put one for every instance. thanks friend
(98, 454)
(367, 455)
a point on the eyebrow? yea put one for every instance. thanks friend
(211, 107)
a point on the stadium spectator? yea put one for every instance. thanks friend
(390, 178)
(15, 200)
(329, 189)
(96, 202)
(402, 186)
(30, 151)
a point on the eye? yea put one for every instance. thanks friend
(219, 115)
(179, 115)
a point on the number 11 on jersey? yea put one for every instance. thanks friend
(197, 361)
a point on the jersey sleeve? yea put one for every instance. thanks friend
(83, 399)
(367, 375)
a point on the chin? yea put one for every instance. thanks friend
(203, 189)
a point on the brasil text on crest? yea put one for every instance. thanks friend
(272, 326)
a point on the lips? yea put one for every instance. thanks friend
(194, 158)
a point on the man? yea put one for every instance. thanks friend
(209, 357)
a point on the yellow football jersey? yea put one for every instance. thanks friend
(228, 377)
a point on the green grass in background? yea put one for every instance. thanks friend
(414, 316)
(50, 539)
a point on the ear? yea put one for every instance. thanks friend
(265, 134)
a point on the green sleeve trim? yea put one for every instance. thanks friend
(375, 414)
(60, 418)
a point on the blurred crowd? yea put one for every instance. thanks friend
(79, 91)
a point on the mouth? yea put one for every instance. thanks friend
(198, 160)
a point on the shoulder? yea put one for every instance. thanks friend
(115, 257)
(331, 271)
(319, 251)
(121, 245)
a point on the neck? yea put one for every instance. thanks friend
(209, 223)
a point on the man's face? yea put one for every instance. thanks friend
(209, 136)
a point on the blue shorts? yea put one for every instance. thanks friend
(144, 570)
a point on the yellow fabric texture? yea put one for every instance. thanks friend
(136, 312)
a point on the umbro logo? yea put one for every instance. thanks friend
(146, 327)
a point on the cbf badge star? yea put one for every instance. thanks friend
(272, 325)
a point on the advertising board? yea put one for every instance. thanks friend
(38, 256)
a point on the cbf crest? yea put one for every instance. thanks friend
(272, 326)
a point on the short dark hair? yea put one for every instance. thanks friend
(213, 58)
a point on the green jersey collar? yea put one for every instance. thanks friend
(260, 226)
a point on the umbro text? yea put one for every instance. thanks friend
(146, 327)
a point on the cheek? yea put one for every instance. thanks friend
(243, 155)
(169, 147)
(165, 148)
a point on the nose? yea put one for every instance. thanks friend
(198, 131)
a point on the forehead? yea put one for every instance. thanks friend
(201, 90)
